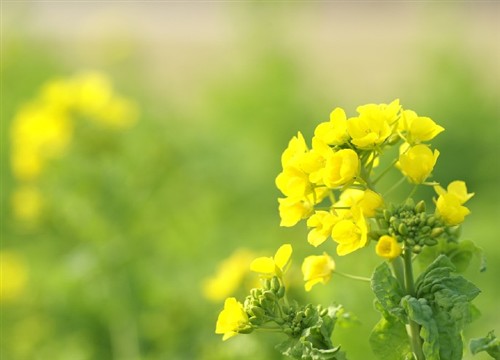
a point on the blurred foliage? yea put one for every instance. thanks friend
(134, 221)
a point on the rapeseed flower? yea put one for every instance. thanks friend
(333, 132)
(350, 234)
(322, 223)
(388, 247)
(277, 265)
(417, 163)
(449, 204)
(341, 168)
(14, 275)
(418, 128)
(232, 319)
(317, 269)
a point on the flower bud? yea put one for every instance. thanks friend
(425, 229)
(417, 249)
(430, 241)
(269, 295)
(436, 232)
(402, 229)
(275, 284)
(420, 207)
(246, 330)
(431, 220)
(257, 311)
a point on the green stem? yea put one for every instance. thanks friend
(399, 272)
(399, 182)
(354, 277)
(386, 170)
(414, 328)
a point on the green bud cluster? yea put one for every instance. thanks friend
(411, 225)
(262, 305)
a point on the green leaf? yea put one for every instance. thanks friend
(389, 340)
(489, 343)
(419, 311)
(387, 290)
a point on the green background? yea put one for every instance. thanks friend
(139, 218)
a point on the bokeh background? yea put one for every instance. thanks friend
(107, 251)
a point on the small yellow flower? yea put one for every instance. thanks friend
(314, 161)
(277, 265)
(322, 223)
(317, 269)
(350, 234)
(333, 132)
(232, 319)
(457, 188)
(374, 124)
(26, 203)
(387, 247)
(418, 128)
(449, 204)
(341, 168)
(293, 182)
(292, 210)
(293, 153)
(417, 163)
(230, 275)
(365, 200)
(13, 275)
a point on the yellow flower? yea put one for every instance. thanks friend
(277, 265)
(365, 200)
(373, 125)
(26, 203)
(449, 205)
(59, 93)
(293, 153)
(293, 182)
(229, 277)
(119, 113)
(457, 188)
(322, 223)
(387, 247)
(350, 234)
(232, 319)
(314, 161)
(292, 210)
(341, 168)
(418, 128)
(26, 164)
(93, 91)
(317, 269)
(14, 275)
(417, 163)
(333, 132)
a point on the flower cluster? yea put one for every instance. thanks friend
(43, 128)
(332, 184)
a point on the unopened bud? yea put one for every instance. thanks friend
(387, 215)
(275, 284)
(402, 229)
(436, 232)
(417, 249)
(430, 241)
(425, 229)
(431, 220)
(246, 330)
(420, 207)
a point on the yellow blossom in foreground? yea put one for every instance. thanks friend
(333, 132)
(449, 204)
(417, 163)
(314, 161)
(322, 223)
(367, 201)
(14, 275)
(26, 203)
(293, 153)
(277, 265)
(457, 188)
(387, 247)
(373, 125)
(231, 319)
(317, 269)
(229, 277)
(293, 182)
(418, 128)
(292, 210)
(351, 234)
(341, 168)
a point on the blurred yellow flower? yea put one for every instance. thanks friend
(418, 128)
(26, 203)
(341, 168)
(231, 319)
(26, 164)
(333, 132)
(388, 247)
(229, 277)
(277, 265)
(449, 204)
(14, 275)
(93, 91)
(350, 234)
(317, 269)
(374, 124)
(322, 223)
(417, 163)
